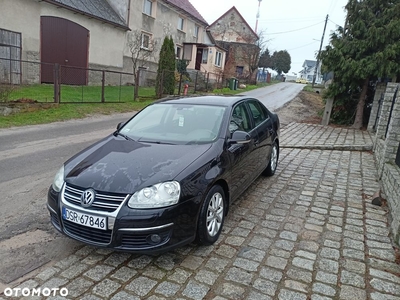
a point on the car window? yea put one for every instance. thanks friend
(240, 119)
(258, 112)
(175, 124)
(158, 115)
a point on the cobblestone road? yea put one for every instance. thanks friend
(309, 232)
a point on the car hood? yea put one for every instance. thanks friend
(117, 165)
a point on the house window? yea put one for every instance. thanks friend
(178, 52)
(204, 58)
(239, 70)
(146, 38)
(181, 23)
(10, 56)
(148, 7)
(218, 59)
(196, 31)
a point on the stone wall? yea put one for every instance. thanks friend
(391, 185)
(387, 142)
(380, 89)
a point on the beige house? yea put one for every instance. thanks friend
(53, 32)
(233, 33)
(206, 57)
(159, 18)
(91, 34)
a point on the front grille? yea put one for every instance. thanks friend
(54, 220)
(103, 202)
(87, 233)
(134, 240)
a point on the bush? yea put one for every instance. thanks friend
(5, 91)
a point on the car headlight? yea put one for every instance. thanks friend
(58, 180)
(158, 195)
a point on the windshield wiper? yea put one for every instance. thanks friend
(123, 135)
(155, 142)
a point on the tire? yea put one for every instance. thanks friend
(273, 161)
(212, 216)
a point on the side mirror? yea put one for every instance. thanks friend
(120, 125)
(240, 137)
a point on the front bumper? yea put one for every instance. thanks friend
(141, 231)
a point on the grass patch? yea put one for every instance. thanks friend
(69, 111)
(77, 94)
(316, 89)
(228, 91)
(308, 88)
(69, 93)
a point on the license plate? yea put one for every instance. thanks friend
(84, 219)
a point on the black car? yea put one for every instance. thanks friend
(167, 176)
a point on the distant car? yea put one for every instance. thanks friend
(167, 176)
(303, 80)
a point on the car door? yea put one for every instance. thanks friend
(264, 128)
(242, 156)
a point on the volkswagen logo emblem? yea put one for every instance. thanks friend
(87, 198)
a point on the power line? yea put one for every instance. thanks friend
(302, 46)
(332, 6)
(334, 22)
(289, 20)
(296, 29)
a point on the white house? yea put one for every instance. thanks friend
(308, 71)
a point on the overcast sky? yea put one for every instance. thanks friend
(301, 21)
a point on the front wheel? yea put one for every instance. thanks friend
(273, 161)
(212, 215)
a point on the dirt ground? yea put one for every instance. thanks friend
(307, 107)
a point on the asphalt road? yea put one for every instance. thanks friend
(276, 95)
(29, 158)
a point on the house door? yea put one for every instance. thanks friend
(199, 56)
(66, 43)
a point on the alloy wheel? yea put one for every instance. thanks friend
(274, 158)
(215, 214)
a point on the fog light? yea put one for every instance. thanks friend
(155, 238)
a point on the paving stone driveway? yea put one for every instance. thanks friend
(309, 232)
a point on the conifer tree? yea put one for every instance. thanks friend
(367, 48)
(165, 82)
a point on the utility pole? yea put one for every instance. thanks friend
(319, 52)
(329, 102)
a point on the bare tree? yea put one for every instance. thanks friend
(142, 48)
(250, 51)
(254, 50)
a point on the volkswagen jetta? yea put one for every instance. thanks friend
(167, 176)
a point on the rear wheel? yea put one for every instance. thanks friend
(212, 215)
(273, 161)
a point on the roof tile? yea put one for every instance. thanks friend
(97, 8)
(187, 7)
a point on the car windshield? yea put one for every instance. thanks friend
(167, 123)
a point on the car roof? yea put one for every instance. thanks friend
(226, 101)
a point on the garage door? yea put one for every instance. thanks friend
(66, 43)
